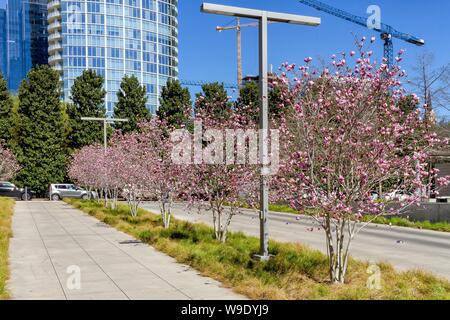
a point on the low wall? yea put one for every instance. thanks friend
(434, 212)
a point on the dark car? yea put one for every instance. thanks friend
(8, 189)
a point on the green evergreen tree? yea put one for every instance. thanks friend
(41, 136)
(408, 104)
(248, 101)
(276, 102)
(175, 105)
(6, 107)
(88, 97)
(132, 98)
(15, 124)
(213, 100)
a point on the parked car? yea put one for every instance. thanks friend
(398, 195)
(8, 189)
(143, 196)
(63, 190)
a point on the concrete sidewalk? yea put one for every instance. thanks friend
(52, 241)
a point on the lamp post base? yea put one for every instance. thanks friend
(262, 258)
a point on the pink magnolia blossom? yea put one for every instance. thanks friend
(8, 164)
(346, 138)
(222, 188)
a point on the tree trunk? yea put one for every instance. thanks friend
(165, 206)
(336, 250)
(165, 210)
(133, 203)
(105, 199)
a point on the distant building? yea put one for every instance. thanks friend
(23, 38)
(114, 38)
(271, 77)
(441, 160)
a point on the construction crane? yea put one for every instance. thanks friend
(387, 32)
(238, 28)
(199, 83)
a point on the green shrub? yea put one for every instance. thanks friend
(148, 236)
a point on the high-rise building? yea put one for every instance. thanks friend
(114, 38)
(23, 38)
(3, 63)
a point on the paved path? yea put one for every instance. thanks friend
(406, 248)
(50, 237)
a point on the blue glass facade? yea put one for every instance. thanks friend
(114, 38)
(3, 63)
(23, 40)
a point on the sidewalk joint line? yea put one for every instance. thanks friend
(73, 238)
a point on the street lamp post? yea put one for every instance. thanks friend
(263, 17)
(105, 121)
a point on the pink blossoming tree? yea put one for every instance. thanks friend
(219, 177)
(88, 168)
(8, 164)
(346, 135)
(128, 169)
(165, 178)
(138, 164)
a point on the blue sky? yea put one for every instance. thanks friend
(208, 55)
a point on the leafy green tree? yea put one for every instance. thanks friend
(276, 101)
(408, 104)
(15, 124)
(248, 101)
(175, 105)
(132, 98)
(41, 135)
(88, 97)
(6, 107)
(213, 101)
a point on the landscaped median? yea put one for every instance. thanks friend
(6, 212)
(295, 272)
(387, 220)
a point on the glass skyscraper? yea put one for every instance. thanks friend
(23, 38)
(114, 38)
(3, 62)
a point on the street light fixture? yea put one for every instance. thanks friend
(263, 17)
(258, 14)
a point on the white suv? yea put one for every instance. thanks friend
(59, 191)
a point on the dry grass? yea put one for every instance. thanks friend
(6, 212)
(296, 272)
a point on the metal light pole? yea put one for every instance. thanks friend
(105, 121)
(263, 17)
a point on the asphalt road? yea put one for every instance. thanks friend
(405, 248)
